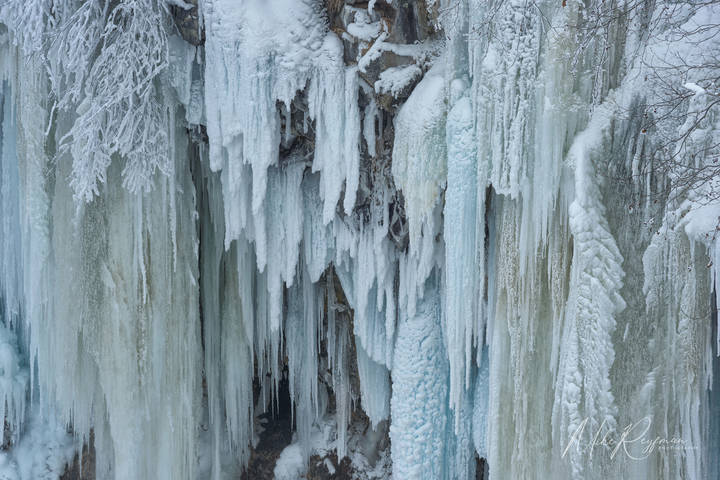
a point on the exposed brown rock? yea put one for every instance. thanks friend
(188, 23)
(276, 435)
(318, 468)
(85, 469)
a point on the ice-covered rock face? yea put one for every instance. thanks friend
(347, 239)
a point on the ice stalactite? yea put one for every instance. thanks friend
(27, 116)
(519, 324)
(375, 387)
(283, 206)
(373, 297)
(13, 382)
(146, 353)
(464, 233)
(227, 325)
(332, 96)
(504, 72)
(211, 236)
(419, 154)
(301, 345)
(677, 290)
(480, 407)
(10, 262)
(109, 260)
(14, 376)
(236, 359)
(294, 51)
(338, 346)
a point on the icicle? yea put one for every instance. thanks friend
(352, 139)
(237, 354)
(341, 385)
(10, 246)
(480, 407)
(504, 76)
(139, 250)
(212, 333)
(369, 316)
(464, 253)
(13, 384)
(317, 237)
(461, 462)
(332, 98)
(676, 292)
(284, 233)
(419, 164)
(35, 217)
(369, 133)
(243, 124)
(374, 386)
(13, 378)
(301, 349)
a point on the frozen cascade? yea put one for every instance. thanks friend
(480, 408)
(464, 232)
(586, 350)
(310, 238)
(287, 54)
(677, 298)
(374, 387)
(301, 346)
(143, 365)
(338, 353)
(420, 390)
(419, 153)
(10, 264)
(15, 376)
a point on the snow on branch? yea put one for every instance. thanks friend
(102, 60)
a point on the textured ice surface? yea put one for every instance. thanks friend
(419, 154)
(420, 391)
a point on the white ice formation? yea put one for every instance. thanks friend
(439, 236)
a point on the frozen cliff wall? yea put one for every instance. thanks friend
(304, 238)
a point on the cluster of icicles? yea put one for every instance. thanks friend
(504, 327)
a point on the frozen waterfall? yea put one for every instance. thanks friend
(432, 239)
